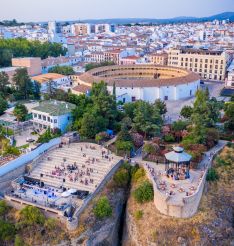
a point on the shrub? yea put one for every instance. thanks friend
(19, 241)
(144, 192)
(31, 215)
(138, 214)
(138, 174)
(137, 139)
(3, 208)
(7, 231)
(169, 138)
(102, 208)
(121, 177)
(212, 175)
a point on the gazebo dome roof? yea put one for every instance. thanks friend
(178, 155)
(178, 149)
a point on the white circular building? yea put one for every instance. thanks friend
(145, 82)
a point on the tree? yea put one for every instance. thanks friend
(23, 84)
(65, 70)
(31, 215)
(48, 135)
(19, 47)
(150, 148)
(125, 146)
(104, 103)
(102, 208)
(20, 112)
(147, 119)
(3, 105)
(229, 112)
(91, 124)
(186, 112)
(162, 107)
(4, 82)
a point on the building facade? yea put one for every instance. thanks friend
(210, 65)
(52, 114)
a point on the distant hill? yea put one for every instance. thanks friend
(182, 19)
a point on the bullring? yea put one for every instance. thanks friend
(145, 82)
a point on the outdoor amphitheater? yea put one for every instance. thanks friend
(145, 82)
(61, 180)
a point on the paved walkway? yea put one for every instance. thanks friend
(209, 155)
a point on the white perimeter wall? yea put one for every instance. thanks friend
(150, 94)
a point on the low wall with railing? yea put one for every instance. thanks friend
(185, 208)
(16, 167)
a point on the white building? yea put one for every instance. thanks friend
(52, 114)
(145, 82)
(52, 81)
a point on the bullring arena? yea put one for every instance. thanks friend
(145, 82)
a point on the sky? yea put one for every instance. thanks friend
(47, 10)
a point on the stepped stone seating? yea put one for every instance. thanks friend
(80, 166)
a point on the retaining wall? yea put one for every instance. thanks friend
(73, 224)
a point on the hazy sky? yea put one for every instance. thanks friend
(44, 10)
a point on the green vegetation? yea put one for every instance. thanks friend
(212, 175)
(138, 175)
(6, 148)
(138, 214)
(20, 112)
(102, 208)
(169, 138)
(65, 70)
(28, 227)
(48, 135)
(205, 114)
(3, 105)
(31, 215)
(122, 177)
(186, 112)
(229, 112)
(95, 65)
(161, 105)
(24, 88)
(7, 231)
(24, 48)
(144, 192)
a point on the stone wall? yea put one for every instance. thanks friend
(73, 224)
(185, 208)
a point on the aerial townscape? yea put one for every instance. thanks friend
(117, 123)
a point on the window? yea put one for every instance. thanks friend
(39, 116)
(44, 117)
(68, 118)
(133, 99)
(55, 121)
(48, 119)
(35, 115)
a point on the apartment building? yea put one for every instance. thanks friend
(158, 58)
(81, 29)
(209, 64)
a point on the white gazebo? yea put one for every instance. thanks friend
(177, 163)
